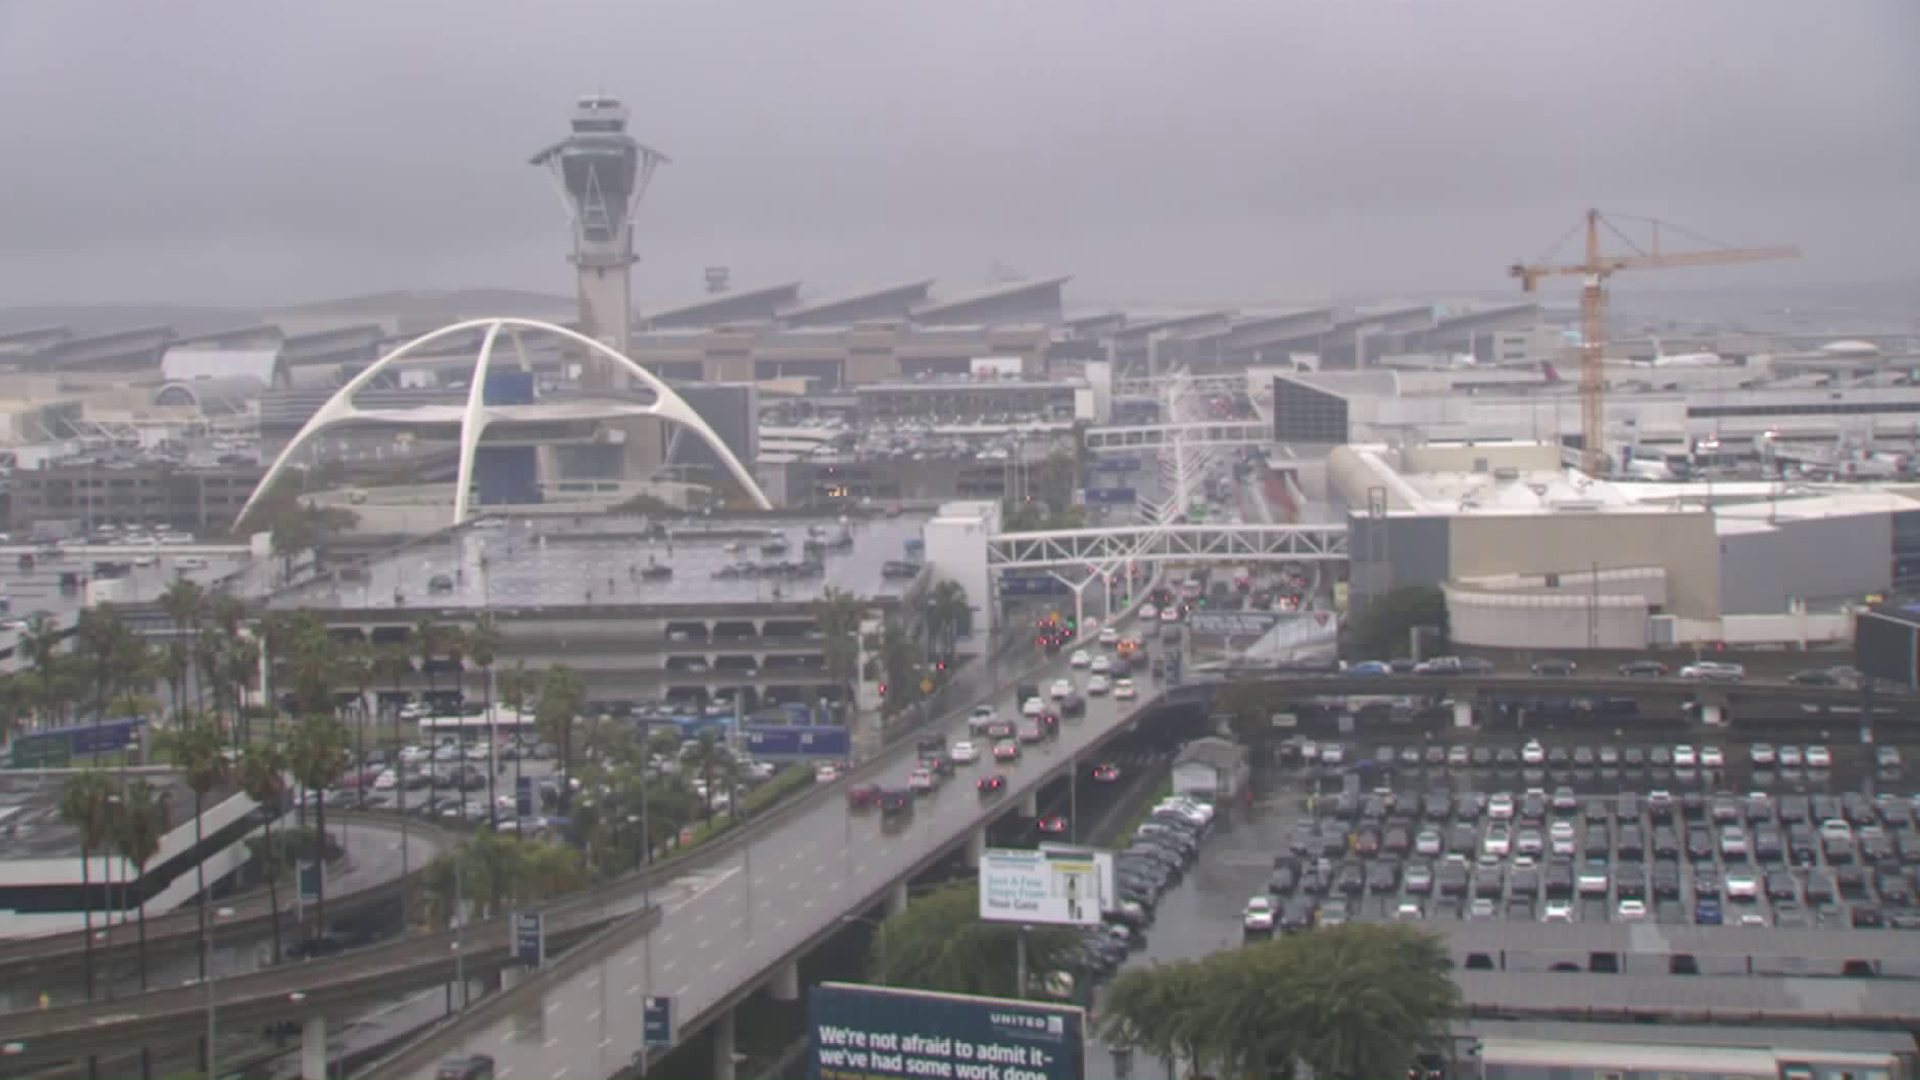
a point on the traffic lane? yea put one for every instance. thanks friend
(762, 903)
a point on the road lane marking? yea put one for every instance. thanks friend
(632, 960)
(780, 924)
(860, 868)
(809, 903)
(632, 990)
(552, 1041)
(682, 992)
(736, 924)
(592, 1016)
(559, 1072)
(552, 1007)
(704, 943)
(792, 885)
(717, 965)
(593, 982)
(504, 1072)
(604, 1043)
(668, 966)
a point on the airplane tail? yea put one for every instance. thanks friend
(1547, 369)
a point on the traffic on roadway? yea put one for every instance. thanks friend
(764, 904)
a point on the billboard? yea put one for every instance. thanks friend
(879, 1033)
(1055, 886)
(1033, 585)
(1111, 496)
(770, 740)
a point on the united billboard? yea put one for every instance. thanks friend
(882, 1033)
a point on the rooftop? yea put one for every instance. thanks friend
(541, 562)
(30, 822)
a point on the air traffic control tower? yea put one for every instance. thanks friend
(602, 173)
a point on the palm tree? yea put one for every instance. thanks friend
(514, 687)
(86, 805)
(561, 698)
(356, 666)
(200, 751)
(708, 759)
(317, 752)
(948, 613)
(427, 636)
(263, 776)
(183, 602)
(101, 640)
(483, 645)
(145, 814)
(40, 644)
(839, 615)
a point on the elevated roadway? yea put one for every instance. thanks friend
(783, 887)
(28, 960)
(1133, 438)
(1469, 688)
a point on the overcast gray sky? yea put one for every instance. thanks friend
(250, 151)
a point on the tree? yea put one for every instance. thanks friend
(562, 696)
(427, 640)
(839, 615)
(1352, 1002)
(1384, 627)
(104, 646)
(515, 686)
(197, 748)
(86, 805)
(898, 661)
(948, 614)
(939, 942)
(145, 814)
(317, 749)
(263, 776)
(183, 602)
(1248, 709)
(358, 667)
(707, 758)
(40, 644)
(483, 646)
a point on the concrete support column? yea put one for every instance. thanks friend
(510, 977)
(313, 1048)
(1462, 714)
(1713, 713)
(1030, 804)
(786, 982)
(976, 846)
(897, 900)
(723, 1047)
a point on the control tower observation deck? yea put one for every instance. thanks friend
(602, 173)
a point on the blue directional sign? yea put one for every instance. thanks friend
(775, 740)
(656, 1020)
(1111, 496)
(523, 796)
(310, 871)
(529, 937)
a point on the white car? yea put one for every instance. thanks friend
(1712, 757)
(1632, 911)
(1427, 843)
(1500, 806)
(825, 774)
(1761, 754)
(1499, 840)
(1148, 612)
(386, 781)
(1097, 685)
(1533, 753)
(1333, 753)
(1259, 914)
(1061, 688)
(1714, 671)
(1789, 757)
(1818, 758)
(920, 781)
(1742, 885)
(1080, 658)
(1560, 837)
(1733, 842)
(1123, 690)
(1102, 665)
(1528, 842)
(1171, 615)
(1033, 706)
(963, 753)
(1109, 636)
(1684, 757)
(1560, 911)
(981, 718)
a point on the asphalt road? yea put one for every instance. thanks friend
(759, 906)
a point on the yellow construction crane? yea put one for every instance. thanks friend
(1595, 271)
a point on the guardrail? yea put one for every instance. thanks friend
(181, 927)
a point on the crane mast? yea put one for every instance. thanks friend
(1594, 271)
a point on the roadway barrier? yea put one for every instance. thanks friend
(180, 928)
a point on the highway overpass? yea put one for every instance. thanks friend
(27, 962)
(759, 904)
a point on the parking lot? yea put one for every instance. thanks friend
(1560, 833)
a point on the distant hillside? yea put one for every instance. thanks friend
(399, 312)
(106, 318)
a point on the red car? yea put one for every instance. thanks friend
(1106, 772)
(991, 784)
(861, 796)
(1052, 824)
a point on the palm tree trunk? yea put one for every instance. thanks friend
(320, 858)
(273, 882)
(200, 878)
(146, 1057)
(493, 750)
(86, 906)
